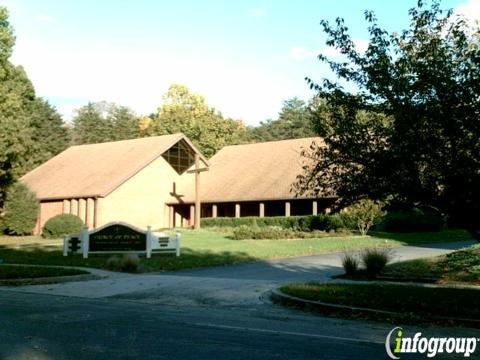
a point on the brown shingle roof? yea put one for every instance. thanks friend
(260, 171)
(96, 169)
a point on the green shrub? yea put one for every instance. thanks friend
(127, 263)
(275, 232)
(113, 263)
(364, 214)
(61, 225)
(291, 222)
(272, 232)
(327, 222)
(375, 260)
(412, 221)
(349, 263)
(21, 210)
(348, 221)
(299, 223)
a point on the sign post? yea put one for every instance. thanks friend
(84, 240)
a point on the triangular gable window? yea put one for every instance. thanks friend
(180, 156)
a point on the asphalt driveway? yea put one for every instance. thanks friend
(238, 285)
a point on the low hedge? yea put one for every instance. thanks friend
(322, 222)
(244, 232)
(282, 221)
(403, 221)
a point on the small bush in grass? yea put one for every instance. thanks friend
(272, 232)
(127, 263)
(364, 214)
(349, 263)
(242, 232)
(375, 260)
(61, 225)
(113, 263)
(21, 210)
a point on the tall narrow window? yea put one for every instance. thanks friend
(180, 156)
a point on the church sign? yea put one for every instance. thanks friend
(116, 238)
(120, 238)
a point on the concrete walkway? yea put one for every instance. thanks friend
(238, 285)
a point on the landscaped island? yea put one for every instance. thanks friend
(403, 302)
(437, 289)
(21, 274)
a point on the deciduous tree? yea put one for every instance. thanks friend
(187, 112)
(410, 130)
(16, 96)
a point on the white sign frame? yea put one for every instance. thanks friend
(155, 242)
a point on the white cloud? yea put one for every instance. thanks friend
(361, 45)
(257, 12)
(470, 10)
(330, 52)
(300, 53)
(43, 18)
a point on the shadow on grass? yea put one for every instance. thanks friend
(446, 239)
(281, 271)
(159, 262)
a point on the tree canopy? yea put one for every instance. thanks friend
(187, 112)
(101, 121)
(49, 133)
(409, 132)
(294, 121)
(15, 94)
(31, 131)
(21, 210)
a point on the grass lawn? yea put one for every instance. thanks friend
(412, 302)
(205, 248)
(9, 272)
(460, 266)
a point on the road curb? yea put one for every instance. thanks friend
(92, 275)
(280, 297)
(48, 280)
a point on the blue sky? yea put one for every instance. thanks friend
(245, 57)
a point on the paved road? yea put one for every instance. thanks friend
(53, 327)
(195, 314)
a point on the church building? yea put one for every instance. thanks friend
(151, 182)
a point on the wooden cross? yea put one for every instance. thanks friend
(197, 172)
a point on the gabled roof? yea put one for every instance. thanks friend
(252, 172)
(95, 170)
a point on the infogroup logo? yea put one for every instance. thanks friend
(397, 343)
